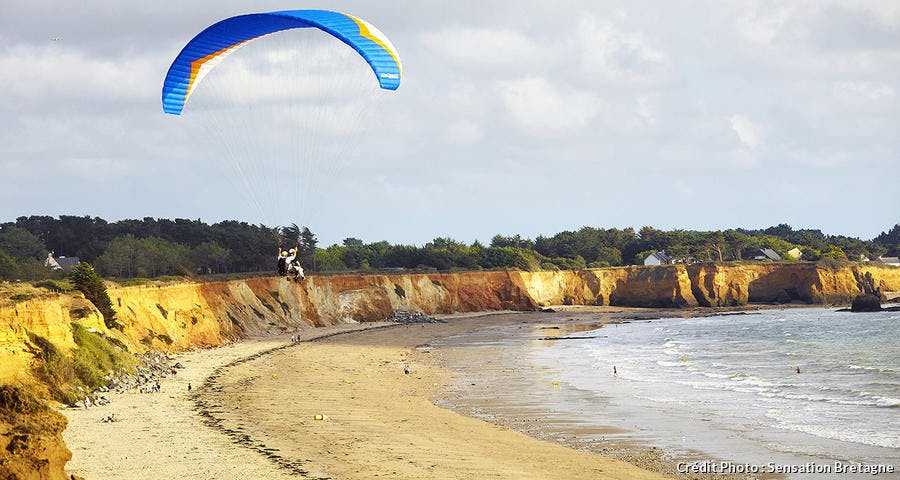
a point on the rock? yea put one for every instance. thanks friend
(412, 317)
(866, 303)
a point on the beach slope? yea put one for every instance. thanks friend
(344, 408)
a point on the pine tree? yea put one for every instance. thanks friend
(89, 283)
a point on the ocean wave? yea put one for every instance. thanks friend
(836, 432)
(871, 369)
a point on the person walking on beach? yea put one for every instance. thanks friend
(615, 373)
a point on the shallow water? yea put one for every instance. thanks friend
(717, 388)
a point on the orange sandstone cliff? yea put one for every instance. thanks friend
(184, 316)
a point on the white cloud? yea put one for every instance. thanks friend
(748, 132)
(646, 114)
(766, 24)
(464, 131)
(866, 91)
(613, 55)
(542, 108)
(47, 74)
(488, 48)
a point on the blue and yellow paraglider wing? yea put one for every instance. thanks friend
(212, 45)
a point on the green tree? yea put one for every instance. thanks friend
(89, 283)
(20, 243)
(9, 268)
(329, 259)
(209, 257)
(352, 242)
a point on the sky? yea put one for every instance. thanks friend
(513, 117)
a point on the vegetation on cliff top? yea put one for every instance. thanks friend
(154, 247)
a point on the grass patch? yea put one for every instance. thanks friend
(94, 358)
(58, 286)
(55, 371)
(21, 297)
(17, 401)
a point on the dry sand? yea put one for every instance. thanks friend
(257, 419)
(160, 435)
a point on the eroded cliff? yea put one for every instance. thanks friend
(181, 316)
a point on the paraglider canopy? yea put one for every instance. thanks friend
(212, 45)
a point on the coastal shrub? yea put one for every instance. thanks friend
(22, 297)
(54, 370)
(89, 283)
(95, 357)
(55, 285)
(16, 401)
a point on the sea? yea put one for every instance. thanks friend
(804, 392)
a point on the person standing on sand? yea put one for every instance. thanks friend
(615, 373)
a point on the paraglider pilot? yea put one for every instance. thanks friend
(288, 263)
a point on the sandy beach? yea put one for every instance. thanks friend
(160, 435)
(340, 407)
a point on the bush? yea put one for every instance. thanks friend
(55, 285)
(16, 401)
(94, 358)
(55, 371)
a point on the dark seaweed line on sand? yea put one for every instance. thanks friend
(207, 410)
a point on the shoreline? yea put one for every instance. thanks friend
(175, 425)
(378, 421)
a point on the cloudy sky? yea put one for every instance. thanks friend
(526, 117)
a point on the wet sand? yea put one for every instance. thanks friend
(379, 421)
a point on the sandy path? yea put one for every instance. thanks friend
(381, 422)
(160, 436)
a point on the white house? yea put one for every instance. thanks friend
(794, 253)
(658, 258)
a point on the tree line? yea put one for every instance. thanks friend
(152, 247)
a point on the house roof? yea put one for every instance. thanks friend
(770, 254)
(889, 259)
(67, 262)
(662, 257)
